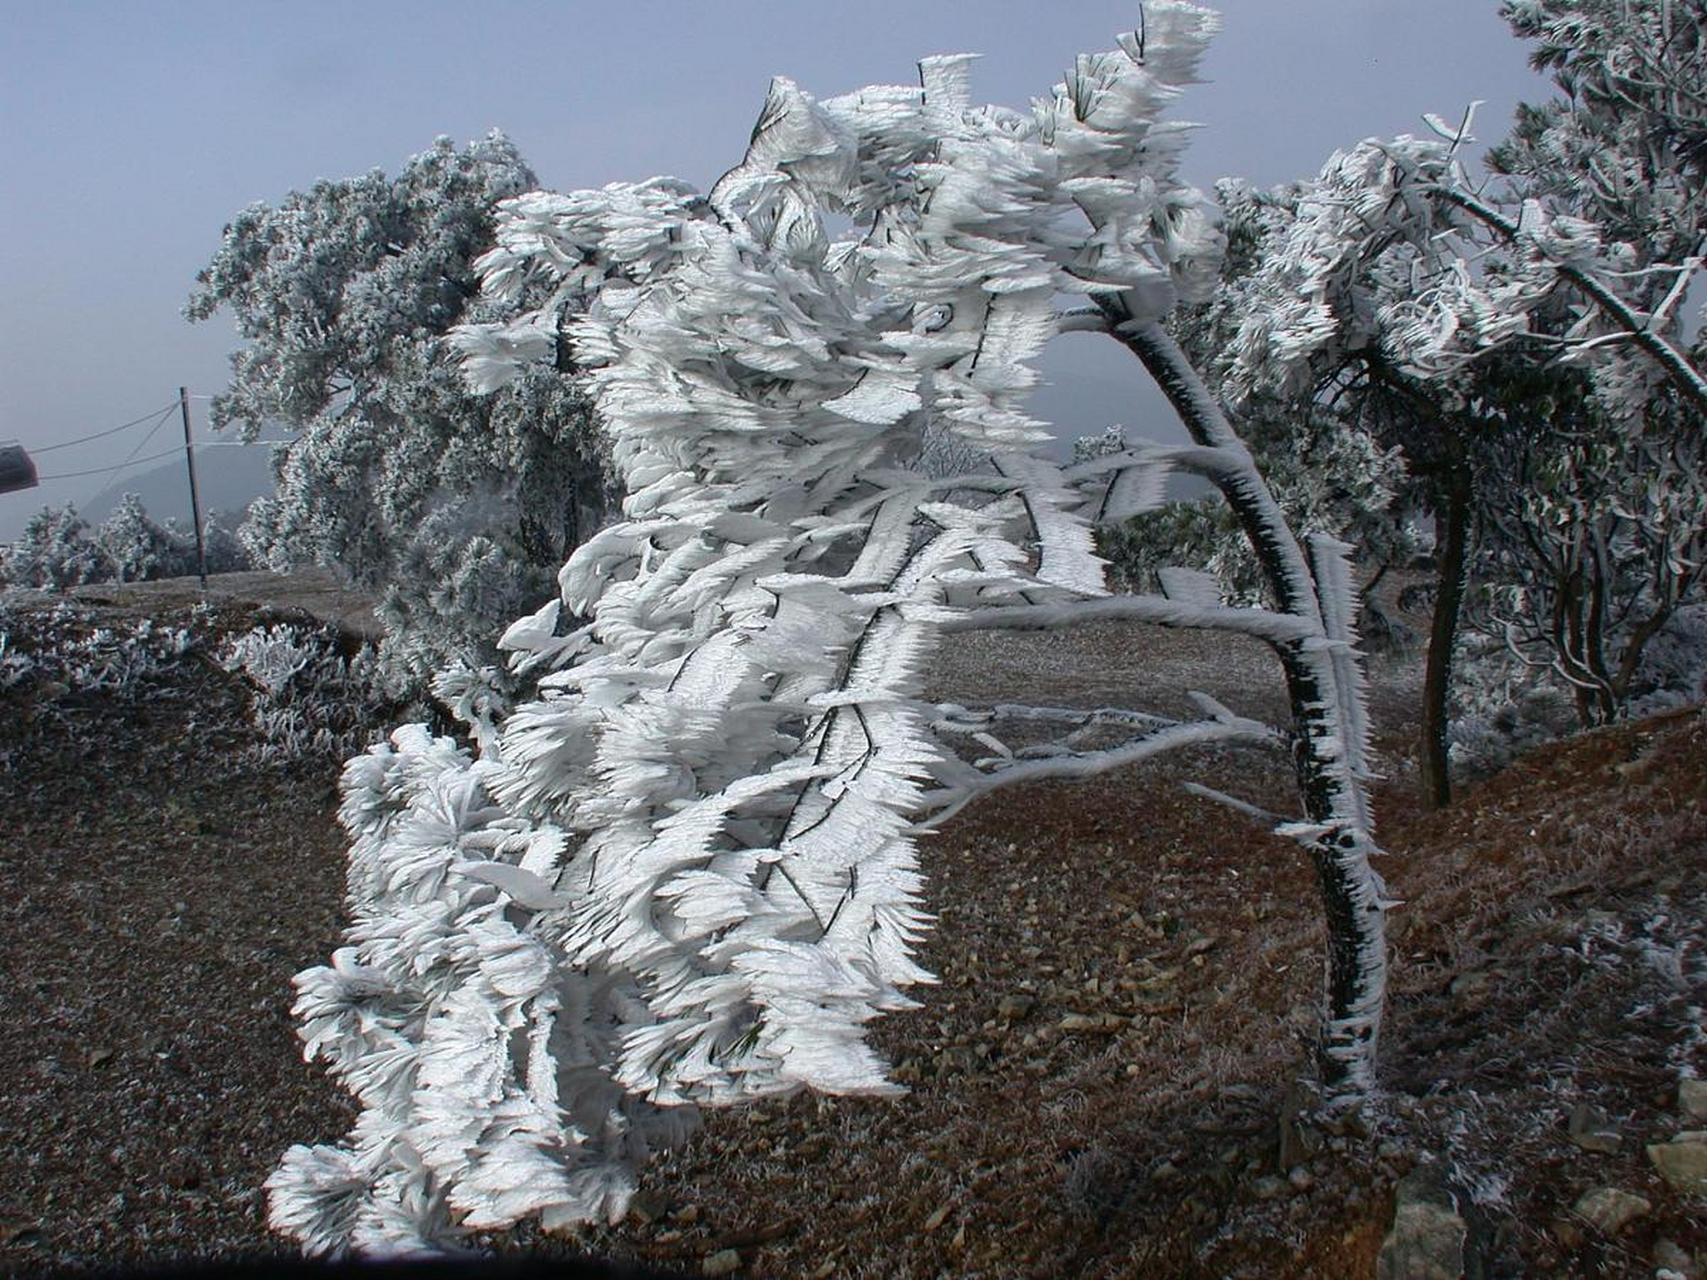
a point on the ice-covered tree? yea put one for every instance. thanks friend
(54, 552)
(457, 509)
(135, 546)
(1434, 315)
(680, 871)
(1624, 146)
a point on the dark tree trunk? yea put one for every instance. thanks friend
(1453, 494)
(1333, 793)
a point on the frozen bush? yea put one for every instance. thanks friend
(307, 697)
(1674, 664)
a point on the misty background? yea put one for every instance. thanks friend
(133, 133)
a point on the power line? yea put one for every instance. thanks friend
(155, 457)
(95, 471)
(143, 443)
(110, 431)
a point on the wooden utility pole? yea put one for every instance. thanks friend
(195, 496)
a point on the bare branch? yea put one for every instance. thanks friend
(1233, 802)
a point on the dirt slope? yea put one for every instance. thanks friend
(1102, 1084)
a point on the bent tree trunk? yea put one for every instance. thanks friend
(1324, 683)
(1453, 493)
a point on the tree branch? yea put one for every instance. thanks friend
(1088, 764)
(1687, 377)
(1263, 624)
(1081, 320)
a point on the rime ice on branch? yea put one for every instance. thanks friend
(682, 873)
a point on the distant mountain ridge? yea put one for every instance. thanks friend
(228, 479)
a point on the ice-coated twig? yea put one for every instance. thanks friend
(1262, 624)
(1089, 764)
(954, 716)
(1233, 802)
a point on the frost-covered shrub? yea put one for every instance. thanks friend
(15, 667)
(58, 549)
(1502, 707)
(307, 697)
(109, 659)
(1674, 664)
(54, 552)
(70, 645)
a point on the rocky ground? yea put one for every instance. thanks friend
(1106, 1082)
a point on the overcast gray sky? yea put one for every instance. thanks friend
(132, 132)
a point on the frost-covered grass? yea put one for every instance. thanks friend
(309, 695)
(313, 692)
(56, 659)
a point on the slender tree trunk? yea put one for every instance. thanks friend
(572, 519)
(1452, 554)
(1323, 681)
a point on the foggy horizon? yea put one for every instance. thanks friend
(137, 137)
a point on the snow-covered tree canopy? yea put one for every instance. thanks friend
(1628, 137)
(1394, 310)
(1587, 249)
(458, 508)
(681, 870)
(1391, 253)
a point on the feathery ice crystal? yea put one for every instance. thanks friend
(680, 871)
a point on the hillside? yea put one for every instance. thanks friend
(1104, 1083)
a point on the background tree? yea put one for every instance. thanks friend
(54, 552)
(58, 549)
(136, 547)
(456, 509)
(1392, 308)
(1607, 537)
